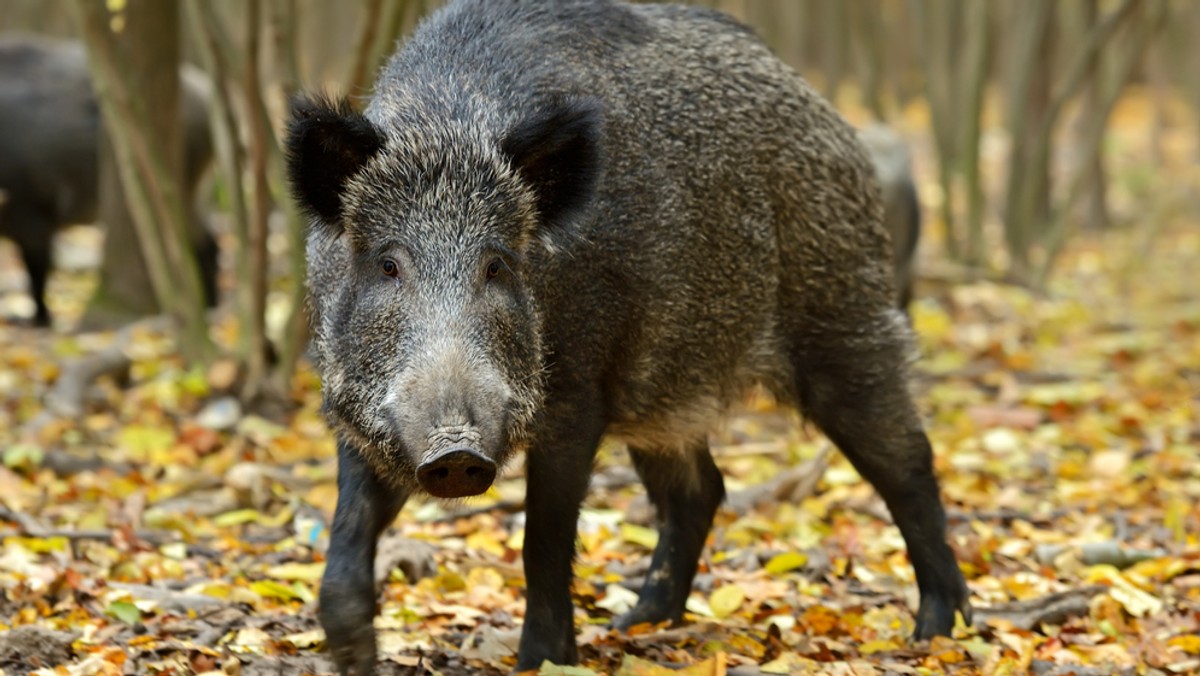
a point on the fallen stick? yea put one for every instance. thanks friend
(156, 538)
(1005, 515)
(791, 486)
(66, 398)
(169, 599)
(29, 527)
(1050, 609)
(26, 523)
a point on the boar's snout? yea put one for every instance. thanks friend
(456, 472)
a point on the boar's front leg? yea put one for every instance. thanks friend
(558, 469)
(365, 506)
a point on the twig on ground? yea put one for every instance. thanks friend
(1051, 609)
(151, 536)
(27, 524)
(1005, 515)
(791, 486)
(169, 599)
(67, 398)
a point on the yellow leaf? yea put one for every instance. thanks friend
(617, 599)
(746, 646)
(878, 646)
(485, 578)
(946, 650)
(251, 639)
(306, 639)
(486, 541)
(931, 322)
(308, 572)
(1188, 644)
(174, 550)
(284, 516)
(548, 668)
(143, 442)
(790, 663)
(782, 563)
(274, 590)
(236, 518)
(726, 600)
(714, 666)
(39, 545)
(218, 590)
(634, 666)
(517, 540)
(698, 605)
(639, 535)
(1136, 602)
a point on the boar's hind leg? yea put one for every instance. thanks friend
(857, 394)
(559, 465)
(33, 232)
(686, 489)
(365, 506)
(37, 262)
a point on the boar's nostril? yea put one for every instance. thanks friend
(456, 473)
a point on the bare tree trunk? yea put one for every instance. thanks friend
(365, 59)
(791, 19)
(1025, 221)
(142, 136)
(1142, 33)
(259, 136)
(296, 329)
(149, 45)
(1194, 84)
(283, 26)
(1094, 213)
(1160, 94)
(1037, 106)
(215, 54)
(1032, 20)
(902, 59)
(833, 47)
(871, 42)
(933, 22)
(974, 81)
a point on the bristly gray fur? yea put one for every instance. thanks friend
(747, 147)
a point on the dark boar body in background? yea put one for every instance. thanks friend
(50, 130)
(901, 206)
(561, 219)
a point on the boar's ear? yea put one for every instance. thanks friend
(327, 143)
(557, 151)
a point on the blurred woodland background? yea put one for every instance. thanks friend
(1009, 104)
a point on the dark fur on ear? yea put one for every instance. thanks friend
(557, 150)
(327, 143)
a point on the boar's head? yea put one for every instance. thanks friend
(426, 325)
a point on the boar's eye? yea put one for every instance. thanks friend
(494, 268)
(390, 268)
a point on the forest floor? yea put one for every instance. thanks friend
(168, 532)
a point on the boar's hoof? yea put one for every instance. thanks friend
(935, 616)
(456, 473)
